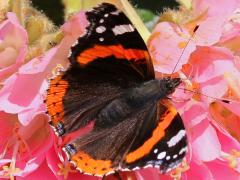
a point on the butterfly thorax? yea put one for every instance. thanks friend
(135, 98)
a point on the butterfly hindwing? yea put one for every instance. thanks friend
(164, 147)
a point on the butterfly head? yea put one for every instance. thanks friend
(170, 84)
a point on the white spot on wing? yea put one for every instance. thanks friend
(101, 20)
(168, 157)
(66, 152)
(111, 172)
(101, 39)
(136, 168)
(106, 15)
(69, 54)
(121, 29)
(175, 139)
(155, 151)
(75, 43)
(100, 29)
(147, 166)
(87, 173)
(168, 170)
(161, 155)
(73, 163)
(80, 170)
(183, 150)
(116, 12)
(175, 156)
(125, 169)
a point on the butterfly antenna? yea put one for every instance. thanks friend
(218, 99)
(194, 32)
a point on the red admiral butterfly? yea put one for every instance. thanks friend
(111, 82)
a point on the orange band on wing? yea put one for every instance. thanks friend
(114, 50)
(87, 164)
(54, 100)
(157, 135)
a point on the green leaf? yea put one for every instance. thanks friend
(146, 15)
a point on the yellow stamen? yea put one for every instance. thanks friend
(182, 44)
(232, 158)
(11, 170)
(176, 174)
(56, 70)
(64, 170)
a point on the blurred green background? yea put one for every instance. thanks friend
(54, 8)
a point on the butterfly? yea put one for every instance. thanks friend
(111, 84)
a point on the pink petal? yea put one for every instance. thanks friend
(225, 120)
(149, 173)
(13, 37)
(194, 115)
(166, 46)
(214, 8)
(221, 171)
(76, 25)
(231, 36)
(214, 88)
(38, 134)
(209, 31)
(42, 172)
(232, 106)
(197, 170)
(53, 160)
(205, 143)
(208, 60)
(29, 166)
(228, 143)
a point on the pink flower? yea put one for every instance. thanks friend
(214, 8)
(22, 148)
(27, 136)
(13, 45)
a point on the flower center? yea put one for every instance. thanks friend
(10, 170)
(19, 146)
